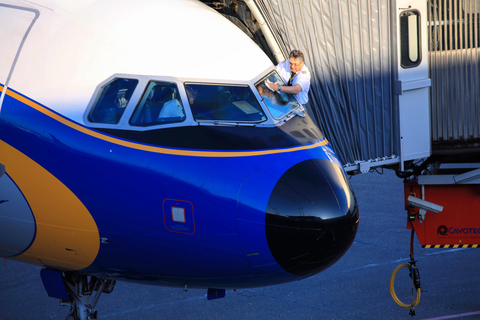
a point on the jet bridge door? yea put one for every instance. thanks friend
(413, 84)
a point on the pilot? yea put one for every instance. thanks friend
(113, 109)
(270, 100)
(296, 75)
(264, 92)
(191, 94)
(172, 109)
(240, 94)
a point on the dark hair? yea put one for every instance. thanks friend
(191, 92)
(296, 54)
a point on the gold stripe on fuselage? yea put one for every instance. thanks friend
(192, 153)
(66, 236)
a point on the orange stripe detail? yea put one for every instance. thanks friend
(67, 236)
(132, 145)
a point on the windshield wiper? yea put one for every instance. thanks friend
(298, 111)
(225, 123)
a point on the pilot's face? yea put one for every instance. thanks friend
(260, 90)
(296, 64)
(264, 91)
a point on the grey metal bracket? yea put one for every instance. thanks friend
(424, 206)
(471, 177)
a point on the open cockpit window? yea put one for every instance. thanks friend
(160, 104)
(278, 103)
(112, 101)
(224, 103)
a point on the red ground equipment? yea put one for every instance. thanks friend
(458, 224)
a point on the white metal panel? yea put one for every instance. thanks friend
(414, 105)
(414, 124)
(76, 45)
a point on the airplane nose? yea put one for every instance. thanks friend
(311, 218)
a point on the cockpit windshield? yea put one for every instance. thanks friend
(224, 103)
(278, 103)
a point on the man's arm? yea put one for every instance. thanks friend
(287, 89)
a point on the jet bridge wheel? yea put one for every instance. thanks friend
(84, 291)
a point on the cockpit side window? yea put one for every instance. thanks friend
(224, 103)
(278, 103)
(112, 101)
(160, 104)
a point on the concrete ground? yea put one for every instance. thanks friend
(356, 287)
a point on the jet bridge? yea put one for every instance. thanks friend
(370, 85)
(392, 81)
(454, 55)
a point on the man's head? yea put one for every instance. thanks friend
(262, 89)
(191, 94)
(296, 60)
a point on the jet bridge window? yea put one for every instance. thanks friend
(410, 39)
(112, 101)
(160, 104)
(278, 103)
(224, 103)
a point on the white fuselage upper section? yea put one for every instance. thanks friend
(75, 45)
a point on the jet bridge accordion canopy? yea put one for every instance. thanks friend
(454, 52)
(348, 48)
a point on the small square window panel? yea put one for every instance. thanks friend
(178, 214)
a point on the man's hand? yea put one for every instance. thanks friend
(287, 89)
(272, 86)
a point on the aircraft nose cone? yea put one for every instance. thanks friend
(311, 218)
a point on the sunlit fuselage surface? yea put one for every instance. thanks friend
(144, 160)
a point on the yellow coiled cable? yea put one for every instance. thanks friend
(392, 289)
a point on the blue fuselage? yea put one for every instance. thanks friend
(203, 206)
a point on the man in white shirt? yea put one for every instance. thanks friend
(171, 109)
(296, 75)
